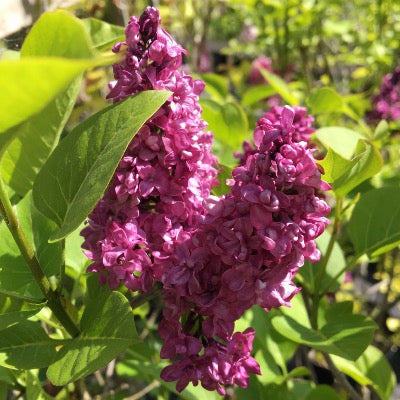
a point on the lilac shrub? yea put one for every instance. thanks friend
(386, 104)
(215, 257)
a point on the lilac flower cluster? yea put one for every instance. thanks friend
(386, 105)
(159, 186)
(214, 256)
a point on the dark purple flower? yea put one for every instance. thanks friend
(386, 104)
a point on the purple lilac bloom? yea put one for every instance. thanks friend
(215, 256)
(167, 171)
(302, 124)
(386, 105)
(248, 247)
(260, 63)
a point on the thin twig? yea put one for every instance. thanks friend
(109, 373)
(341, 379)
(153, 385)
(230, 393)
(149, 323)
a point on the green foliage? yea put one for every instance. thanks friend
(107, 327)
(341, 140)
(374, 227)
(29, 85)
(14, 273)
(14, 310)
(324, 101)
(256, 93)
(309, 273)
(323, 392)
(280, 87)
(381, 131)
(217, 86)
(102, 34)
(132, 366)
(338, 64)
(344, 334)
(346, 174)
(24, 157)
(26, 346)
(68, 39)
(224, 173)
(77, 173)
(230, 127)
(371, 368)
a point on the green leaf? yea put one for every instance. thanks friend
(6, 376)
(344, 175)
(34, 389)
(80, 168)
(103, 34)
(74, 256)
(59, 34)
(325, 101)
(3, 390)
(324, 392)
(292, 390)
(35, 140)
(376, 232)
(341, 140)
(372, 369)
(228, 122)
(382, 130)
(26, 346)
(256, 93)
(29, 84)
(108, 328)
(14, 310)
(309, 272)
(280, 86)
(230, 127)
(134, 364)
(344, 334)
(15, 275)
(216, 85)
(273, 351)
(224, 174)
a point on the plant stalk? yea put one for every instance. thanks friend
(341, 379)
(324, 264)
(52, 297)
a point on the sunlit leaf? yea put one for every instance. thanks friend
(78, 171)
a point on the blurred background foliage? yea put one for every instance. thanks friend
(328, 55)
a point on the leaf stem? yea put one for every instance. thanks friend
(324, 263)
(52, 297)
